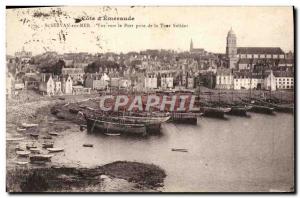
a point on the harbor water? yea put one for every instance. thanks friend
(238, 154)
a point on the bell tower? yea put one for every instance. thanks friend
(231, 49)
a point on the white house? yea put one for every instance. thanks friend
(47, 86)
(284, 80)
(67, 85)
(167, 81)
(151, 81)
(246, 80)
(270, 81)
(224, 79)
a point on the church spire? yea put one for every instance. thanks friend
(191, 45)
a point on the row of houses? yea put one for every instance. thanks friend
(269, 80)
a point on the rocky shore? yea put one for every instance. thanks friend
(120, 176)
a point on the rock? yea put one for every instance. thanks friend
(104, 177)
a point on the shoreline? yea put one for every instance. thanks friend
(40, 112)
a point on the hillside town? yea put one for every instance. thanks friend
(50, 73)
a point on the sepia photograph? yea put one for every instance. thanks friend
(150, 99)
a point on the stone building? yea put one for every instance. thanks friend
(231, 49)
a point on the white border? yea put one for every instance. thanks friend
(3, 3)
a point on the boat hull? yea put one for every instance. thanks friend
(184, 118)
(213, 112)
(99, 126)
(238, 111)
(262, 109)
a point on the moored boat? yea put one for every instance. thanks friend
(239, 110)
(262, 109)
(216, 112)
(184, 118)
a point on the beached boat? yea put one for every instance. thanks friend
(23, 153)
(98, 125)
(21, 163)
(31, 145)
(88, 145)
(47, 145)
(34, 135)
(179, 150)
(53, 133)
(26, 125)
(55, 149)
(20, 129)
(112, 134)
(40, 158)
(35, 150)
(15, 139)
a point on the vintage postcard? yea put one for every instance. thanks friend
(150, 99)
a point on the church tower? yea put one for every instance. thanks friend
(231, 49)
(191, 46)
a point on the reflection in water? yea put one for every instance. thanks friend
(239, 154)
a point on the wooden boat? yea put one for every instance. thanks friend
(146, 120)
(47, 145)
(262, 109)
(23, 153)
(88, 145)
(112, 134)
(29, 146)
(184, 118)
(283, 108)
(97, 125)
(21, 129)
(26, 125)
(14, 139)
(35, 150)
(238, 111)
(216, 112)
(34, 135)
(53, 133)
(19, 148)
(40, 158)
(21, 163)
(47, 137)
(180, 150)
(55, 149)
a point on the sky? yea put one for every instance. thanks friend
(207, 26)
